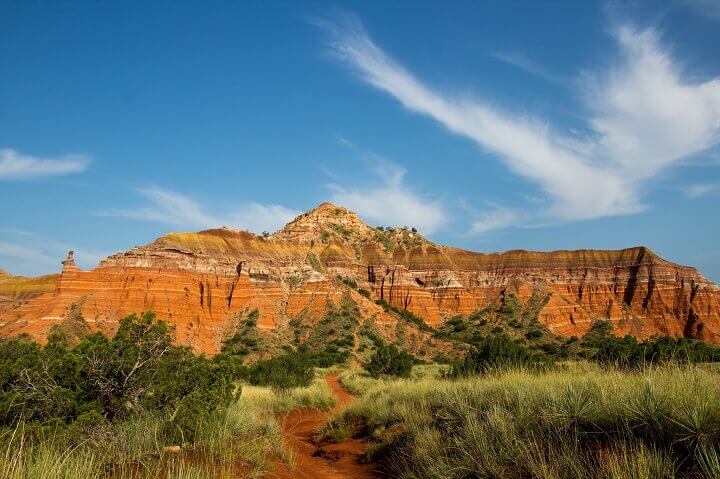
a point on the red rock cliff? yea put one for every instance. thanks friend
(199, 281)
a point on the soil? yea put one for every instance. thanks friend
(332, 461)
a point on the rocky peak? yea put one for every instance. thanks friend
(324, 223)
(329, 223)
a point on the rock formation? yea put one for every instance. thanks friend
(200, 281)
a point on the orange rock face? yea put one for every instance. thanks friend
(200, 281)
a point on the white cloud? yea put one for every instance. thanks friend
(25, 253)
(390, 202)
(700, 189)
(521, 61)
(17, 166)
(260, 217)
(643, 118)
(495, 219)
(174, 208)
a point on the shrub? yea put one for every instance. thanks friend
(348, 282)
(246, 337)
(628, 352)
(498, 351)
(364, 292)
(391, 361)
(534, 334)
(291, 370)
(137, 371)
(385, 240)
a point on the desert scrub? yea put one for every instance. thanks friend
(570, 422)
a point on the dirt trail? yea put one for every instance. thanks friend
(336, 461)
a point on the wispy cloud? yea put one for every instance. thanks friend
(498, 217)
(27, 253)
(523, 62)
(700, 189)
(643, 117)
(170, 207)
(18, 166)
(387, 200)
(391, 202)
(705, 8)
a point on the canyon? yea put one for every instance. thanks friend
(201, 282)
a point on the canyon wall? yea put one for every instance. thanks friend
(200, 281)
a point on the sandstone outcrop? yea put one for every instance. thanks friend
(200, 281)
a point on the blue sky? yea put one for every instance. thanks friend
(486, 125)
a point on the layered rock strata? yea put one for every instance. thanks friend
(200, 281)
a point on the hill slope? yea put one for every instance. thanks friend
(16, 290)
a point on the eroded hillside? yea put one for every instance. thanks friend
(201, 282)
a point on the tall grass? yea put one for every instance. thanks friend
(238, 441)
(578, 421)
(236, 438)
(358, 381)
(317, 395)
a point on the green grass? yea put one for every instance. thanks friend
(358, 381)
(264, 399)
(575, 421)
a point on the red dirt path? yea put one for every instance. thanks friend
(335, 461)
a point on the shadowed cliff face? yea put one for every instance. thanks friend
(200, 281)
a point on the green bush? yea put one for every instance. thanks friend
(348, 282)
(314, 261)
(599, 344)
(246, 337)
(628, 352)
(388, 360)
(291, 370)
(498, 351)
(135, 372)
(385, 240)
